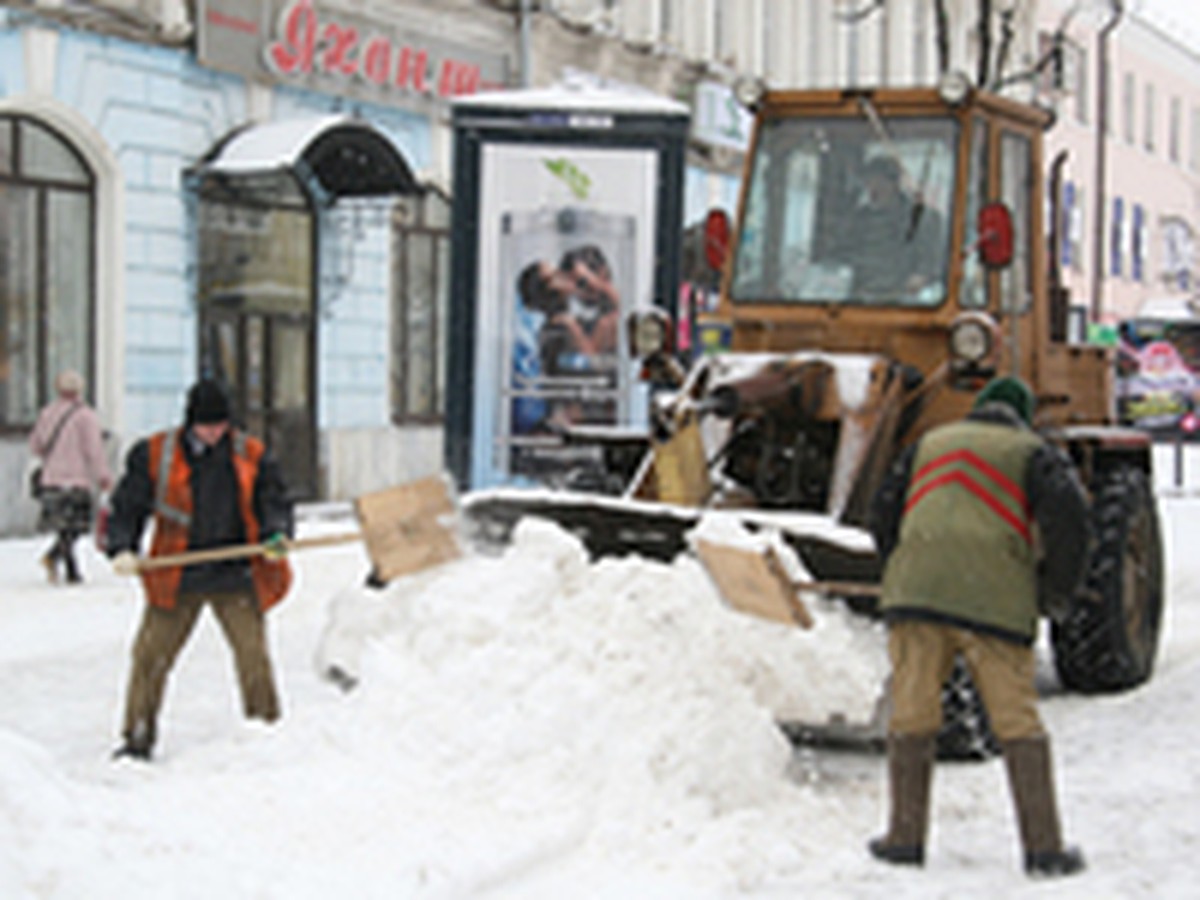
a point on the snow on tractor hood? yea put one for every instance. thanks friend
(852, 371)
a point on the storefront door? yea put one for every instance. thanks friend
(255, 289)
(265, 362)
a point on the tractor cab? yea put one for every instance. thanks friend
(906, 223)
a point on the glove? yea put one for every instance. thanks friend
(275, 547)
(125, 563)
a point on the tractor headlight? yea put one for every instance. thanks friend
(954, 87)
(749, 91)
(972, 340)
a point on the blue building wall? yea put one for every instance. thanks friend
(159, 112)
(12, 72)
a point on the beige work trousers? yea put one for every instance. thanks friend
(161, 636)
(922, 656)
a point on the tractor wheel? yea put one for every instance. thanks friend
(1109, 639)
(966, 733)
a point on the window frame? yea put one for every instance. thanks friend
(43, 188)
(400, 342)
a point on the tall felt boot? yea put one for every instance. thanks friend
(910, 773)
(1031, 780)
(66, 542)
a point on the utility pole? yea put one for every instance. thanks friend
(1100, 257)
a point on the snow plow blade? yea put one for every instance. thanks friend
(609, 526)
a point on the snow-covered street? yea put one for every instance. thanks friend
(531, 726)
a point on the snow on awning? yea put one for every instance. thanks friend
(346, 157)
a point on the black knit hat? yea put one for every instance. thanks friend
(207, 403)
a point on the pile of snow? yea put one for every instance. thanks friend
(579, 652)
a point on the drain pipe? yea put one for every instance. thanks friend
(1101, 211)
(524, 40)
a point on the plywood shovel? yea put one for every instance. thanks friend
(756, 582)
(405, 528)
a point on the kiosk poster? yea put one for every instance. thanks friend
(566, 252)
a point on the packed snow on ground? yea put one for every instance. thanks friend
(527, 724)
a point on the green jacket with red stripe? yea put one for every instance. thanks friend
(958, 522)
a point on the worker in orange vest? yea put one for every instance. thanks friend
(204, 485)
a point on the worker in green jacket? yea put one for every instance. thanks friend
(982, 526)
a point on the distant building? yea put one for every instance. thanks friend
(1150, 209)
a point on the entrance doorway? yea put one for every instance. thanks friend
(257, 337)
(258, 193)
(264, 360)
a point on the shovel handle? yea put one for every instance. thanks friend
(839, 587)
(241, 551)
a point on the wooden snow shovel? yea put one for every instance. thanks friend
(406, 528)
(756, 582)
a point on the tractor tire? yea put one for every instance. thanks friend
(966, 733)
(1109, 639)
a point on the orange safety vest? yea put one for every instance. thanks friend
(173, 507)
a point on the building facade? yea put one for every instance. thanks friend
(1130, 200)
(258, 190)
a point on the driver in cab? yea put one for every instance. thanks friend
(892, 240)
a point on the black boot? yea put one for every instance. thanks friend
(1067, 861)
(1031, 780)
(130, 750)
(910, 773)
(66, 552)
(137, 744)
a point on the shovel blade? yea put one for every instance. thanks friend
(753, 582)
(409, 527)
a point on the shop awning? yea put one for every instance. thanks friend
(345, 157)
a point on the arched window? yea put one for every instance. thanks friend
(47, 266)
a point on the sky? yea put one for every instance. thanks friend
(527, 725)
(1173, 15)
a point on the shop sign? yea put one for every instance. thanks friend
(326, 48)
(718, 118)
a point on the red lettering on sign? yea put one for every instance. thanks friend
(470, 81)
(412, 68)
(340, 42)
(309, 42)
(377, 60)
(295, 52)
(458, 78)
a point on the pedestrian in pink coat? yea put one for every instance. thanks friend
(70, 444)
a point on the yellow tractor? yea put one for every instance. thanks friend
(888, 258)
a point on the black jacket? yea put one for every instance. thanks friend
(216, 521)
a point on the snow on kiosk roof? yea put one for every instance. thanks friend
(576, 98)
(344, 155)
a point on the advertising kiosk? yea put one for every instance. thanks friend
(566, 220)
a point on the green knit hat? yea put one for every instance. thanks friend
(1012, 391)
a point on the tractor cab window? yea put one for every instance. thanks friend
(974, 291)
(1016, 186)
(848, 211)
